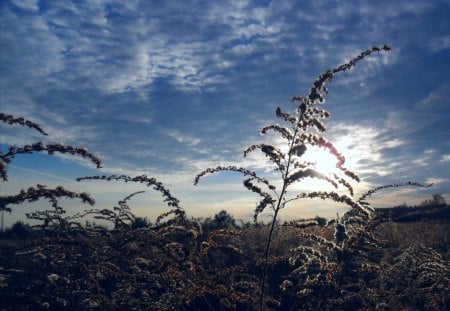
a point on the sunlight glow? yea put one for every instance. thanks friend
(324, 162)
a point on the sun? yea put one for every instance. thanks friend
(323, 161)
(353, 147)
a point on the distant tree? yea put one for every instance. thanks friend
(246, 224)
(88, 224)
(224, 220)
(140, 222)
(20, 230)
(221, 220)
(437, 200)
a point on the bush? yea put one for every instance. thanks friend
(18, 230)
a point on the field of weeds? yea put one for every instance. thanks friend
(184, 264)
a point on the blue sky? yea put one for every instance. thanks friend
(169, 88)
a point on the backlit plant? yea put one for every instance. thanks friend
(304, 130)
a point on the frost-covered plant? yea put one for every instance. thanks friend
(338, 270)
(5, 158)
(304, 130)
(417, 279)
(11, 120)
(149, 182)
(120, 216)
(50, 219)
(33, 194)
(53, 218)
(50, 149)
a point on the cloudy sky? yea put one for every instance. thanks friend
(169, 88)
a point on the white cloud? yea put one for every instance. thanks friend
(396, 142)
(357, 143)
(183, 138)
(436, 180)
(445, 158)
(437, 97)
(243, 49)
(440, 43)
(27, 4)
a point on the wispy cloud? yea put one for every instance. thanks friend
(44, 174)
(182, 138)
(436, 97)
(434, 180)
(445, 158)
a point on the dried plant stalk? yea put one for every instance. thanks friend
(5, 158)
(304, 129)
(11, 120)
(41, 191)
(150, 182)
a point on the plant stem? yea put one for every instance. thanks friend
(266, 254)
(277, 209)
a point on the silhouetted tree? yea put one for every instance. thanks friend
(140, 222)
(437, 200)
(224, 220)
(20, 230)
(221, 220)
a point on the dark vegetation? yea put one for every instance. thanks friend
(179, 266)
(367, 259)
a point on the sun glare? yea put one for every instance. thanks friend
(324, 161)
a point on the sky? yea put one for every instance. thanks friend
(170, 88)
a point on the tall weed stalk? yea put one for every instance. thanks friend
(304, 130)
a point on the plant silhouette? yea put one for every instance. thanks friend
(304, 130)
